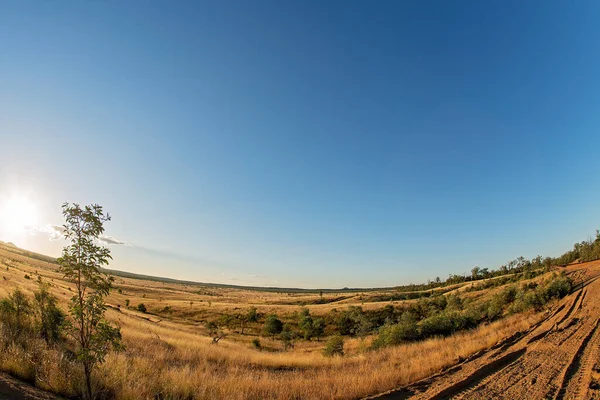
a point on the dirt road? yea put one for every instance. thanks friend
(556, 359)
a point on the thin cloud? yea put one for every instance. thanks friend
(111, 240)
(56, 232)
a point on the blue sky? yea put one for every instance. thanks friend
(310, 144)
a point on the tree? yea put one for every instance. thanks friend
(81, 264)
(273, 325)
(305, 323)
(51, 317)
(14, 312)
(318, 328)
(214, 332)
(475, 273)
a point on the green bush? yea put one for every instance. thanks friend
(334, 346)
(51, 318)
(141, 308)
(273, 325)
(557, 288)
(437, 325)
(392, 334)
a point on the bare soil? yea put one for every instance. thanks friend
(558, 358)
(13, 389)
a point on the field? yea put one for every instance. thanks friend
(170, 351)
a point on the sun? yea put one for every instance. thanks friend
(17, 213)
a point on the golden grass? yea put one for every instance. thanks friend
(175, 359)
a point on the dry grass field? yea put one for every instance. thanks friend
(170, 355)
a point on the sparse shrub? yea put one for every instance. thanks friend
(14, 311)
(334, 346)
(142, 308)
(256, 344)
(51, 318)
(557, 288)
(287, 337)
(126, 302)
(27, 276)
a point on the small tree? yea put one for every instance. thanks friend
(273, 325)
(81, 264)
(14, 311)
(50, 316)
(318, 328)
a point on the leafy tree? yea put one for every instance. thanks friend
(51, 317)
(318, 327)
(252, 314)
(273, 325)
(214, 331)
(15, 312)
(81, 264)
(287, 337)
(305, 323)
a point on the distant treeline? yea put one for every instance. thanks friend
(587, 250)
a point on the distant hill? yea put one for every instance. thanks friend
(123, 274)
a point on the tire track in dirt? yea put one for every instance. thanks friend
(577, 376)
(460, 388)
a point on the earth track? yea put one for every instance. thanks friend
(577, 376)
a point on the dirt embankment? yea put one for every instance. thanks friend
(557, 358)
(13, 389)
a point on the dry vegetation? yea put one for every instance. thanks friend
(169, 354)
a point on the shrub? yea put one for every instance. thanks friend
(51, 318)
(334, 346)
(404, 330)
(14, 313)
(557, 288)
(141, 308)
(438, 324)
(273, 325)
(256, 343)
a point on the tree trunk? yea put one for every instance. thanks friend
(88, 380)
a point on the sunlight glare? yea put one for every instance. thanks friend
(16, 214)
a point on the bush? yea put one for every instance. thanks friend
(436, 325)
(405, 330)
(51, 318)
(256, 343)
(14, 313)
(273, 325)
(141, 308)
(334, 346)
(557, 288)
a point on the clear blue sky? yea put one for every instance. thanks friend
(306, 143)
